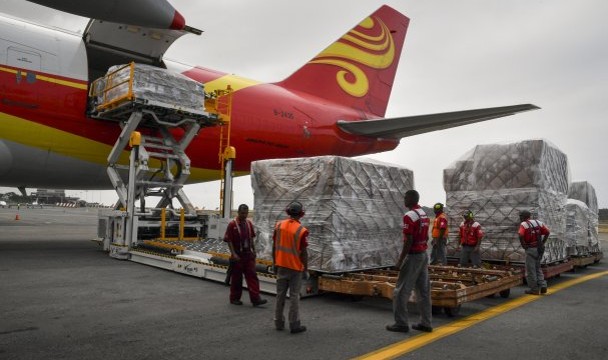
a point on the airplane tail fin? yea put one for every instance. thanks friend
(358, 69)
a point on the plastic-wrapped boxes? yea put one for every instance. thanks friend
(497, 181)
(577, 227)
(354, 208)
(585, 192)
(150, 84)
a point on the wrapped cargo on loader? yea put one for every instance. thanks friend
(354, 208)
(148, 84)
(585, 192)
(577, 227)
(496, 181)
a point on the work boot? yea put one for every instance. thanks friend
(259, 302)
(532, 292)
(296, 327)
(421, 327)
(299, 329)
(543, 290)
(398, 328)
(279, 324)
(236, 302)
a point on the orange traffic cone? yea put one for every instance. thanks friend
(17, 217)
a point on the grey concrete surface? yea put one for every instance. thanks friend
(62, 297)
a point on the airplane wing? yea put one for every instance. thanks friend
(123, 31)
(158, 14)
(395, 128)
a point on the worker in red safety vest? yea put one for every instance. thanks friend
(439, 235)
(239, 236)
(290, 261)
(533, 235)
(470, 240)
(413, 268)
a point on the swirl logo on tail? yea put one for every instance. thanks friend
(369, 44)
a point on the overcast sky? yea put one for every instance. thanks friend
(458, 55)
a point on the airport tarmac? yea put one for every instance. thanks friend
(62, 297)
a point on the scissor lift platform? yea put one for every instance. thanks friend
(157, 127)
(169, 114)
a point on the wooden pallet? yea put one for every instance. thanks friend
(583, 261)
(475, 284)
(450, 286)
(598, 256)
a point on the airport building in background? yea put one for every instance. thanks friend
(53, 196)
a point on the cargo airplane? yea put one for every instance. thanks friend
(334, 104)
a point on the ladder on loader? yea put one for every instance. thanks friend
(158, 165)
(223, 107)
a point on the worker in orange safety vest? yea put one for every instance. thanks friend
(290, 261)
(439, 235)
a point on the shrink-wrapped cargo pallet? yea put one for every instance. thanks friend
(497, 181)
(525, 164)
(354, 208)
(151, 84)
(585, 192)
(577, 228)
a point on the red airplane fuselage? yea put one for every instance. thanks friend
(47, 140)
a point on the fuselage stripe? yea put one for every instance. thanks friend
(236, 83)
(62, 82)
(12, 129)
(54, 80)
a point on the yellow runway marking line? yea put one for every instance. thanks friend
(418, 341)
